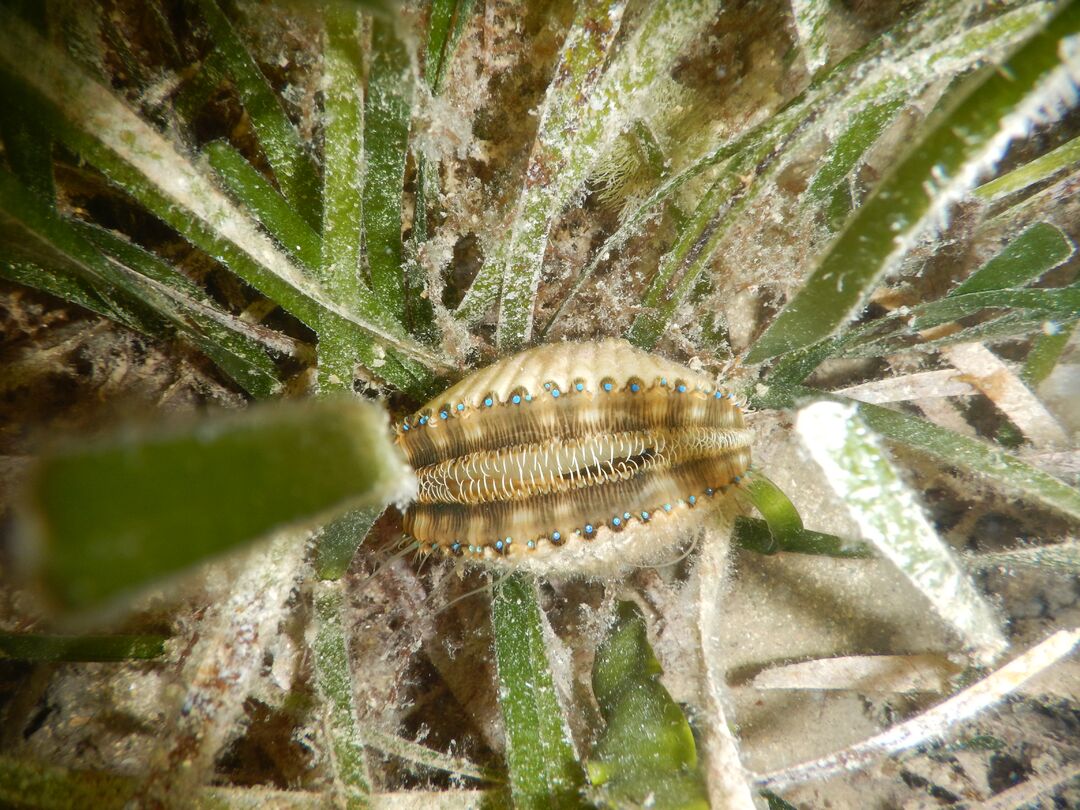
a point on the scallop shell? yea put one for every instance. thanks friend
(571, 458)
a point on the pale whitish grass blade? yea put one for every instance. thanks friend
(934, 723)
(983, 460)
(293, 167)
(112, 515)
(108, 134)
(1043, 168)
(811, 21)
(965, 144)
(333, 680)
(889, 516)
(542, 765)
(568, 158)
(386, 138)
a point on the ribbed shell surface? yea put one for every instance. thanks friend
(571, 457)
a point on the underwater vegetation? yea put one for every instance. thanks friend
(784, 512)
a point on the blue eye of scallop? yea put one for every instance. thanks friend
(555, 536)
(667, 507)
(644, 515)
(404, 425)
(709, 491)
(607, 386)
(663, 381)
(616, 521)
(589, 528)
(528, 397)
(516, 399)
(487, 402)
(681, 389)
(461, 406)
(547, 386)
(443, 415)
(423, 420)
(635, 387)
(625, 515)
(531, 544)
(580, 386)
(736, 479)
(499, 545)
(555, 393)
(691, 500)
(508, 540)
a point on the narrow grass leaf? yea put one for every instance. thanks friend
(756, 535)
(238, 348)
(33, 647)
(893, 67)
(386, 140)
(1045, 353)
(1051, 304)
(445, 25)
(108, 134)
(890, 517)
(156, 303)
(265, 202)
(646, 753)
(965, 143)
(542, 766)
(848, 148)
(573, 135)
(1037, 250)
(1036, 171)
(337, 541)
(779, 512)
(333, 680)
(338, 268)
(572, 121)
(279, 139)
(71, 287)
(26, 783)
(111, 515)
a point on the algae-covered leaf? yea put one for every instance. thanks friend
(542, 765)
(646, 755)
(111, 515)
(962, 147)
(1038, 249)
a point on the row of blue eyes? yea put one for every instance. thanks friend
(556, 393)
(556, 537)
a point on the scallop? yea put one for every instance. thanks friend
(571, 458)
